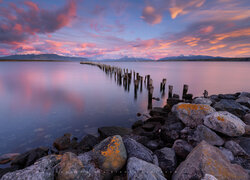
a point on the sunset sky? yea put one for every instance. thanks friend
(99, 29)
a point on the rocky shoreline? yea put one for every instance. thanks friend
(202, 138)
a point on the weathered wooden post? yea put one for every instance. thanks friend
(141, 84)
(170, 91)
(136, 83)
(185, 90)
(150, 97)
(164, 81)
(205, 94)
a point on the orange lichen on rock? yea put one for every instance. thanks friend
(193, 107)
(220, 118)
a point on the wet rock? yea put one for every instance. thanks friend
(207, 159)
(87, 143)
(158, 111)
(137, 124)
(192, 114)
(135, 149)
(182, 148)
(245, 144)
(227, 96)
(63, 142)
(230, 106)
(110, 154)
(139, 169)
(113, 130)
(204, 133)
(229, 155)
(148, 126)
(42, 169)
(202, 100)
(6, 158)
(29, 157)
(246, 119)
(244, 101)
(225, 123)
(152, 145)
(236, 149)
(167, 160)
(209, 177)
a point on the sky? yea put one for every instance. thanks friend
(110, 29)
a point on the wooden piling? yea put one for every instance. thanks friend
(170, 91)
(185, 90)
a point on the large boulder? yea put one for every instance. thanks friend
(202, 100)
(139, 169)
(135, 149)
(204, 133)
(182, 148)
(113, 130)
(226, 123)
(41, 170)
(6, 158)
(192, 114)
(207, 159)
(110, 154)
(63, 142)
(231, 106)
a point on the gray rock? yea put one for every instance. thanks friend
(229, 155)
(152, 145)
(113, 130)
(139, 169)
(204, 133)
(202, 100)
(87, 143)
(225, 123)
(182, 148)
(244, 94)
(236, 149)
(110, 154)
(41, 170)
(245, 144)
(246, 119)
(137, 124)
(247, 130)
(158, 111)
(209, 177)
(167, 160)
(140, 139)
(6, 158)
(63, 142)
(192, 114)
(135, 149)
(227, 96)
(244, 101)
(230, 106)
(207, 159)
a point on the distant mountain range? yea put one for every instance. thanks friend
(127, 59)
(191, 57)
(46, 57)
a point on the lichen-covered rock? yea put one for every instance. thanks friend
(71, 168)
(110, 154)
(113, 130)
(236, 149)
(204, 133)
(207, 159)
(6, 158)
(135, 149)
(139, 169)
(41, 170)
(167, 160)
(225, 123)
(63, 142)
(182, 148)
(202, 100)
(192, 114)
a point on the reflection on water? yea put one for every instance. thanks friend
(43, 100)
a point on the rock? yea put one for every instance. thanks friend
(148, 126)
(152, 145)
(229, 155)
(63, 142)
(202, 100)
(247, 130)
(244, 162)
(167, 160)
(71, 167)
(244, 94)
(173, 101)
(192, 114)
(204, 133)
(29, 157)
(176, 96)
(156, 119)
(246, 119)
(112, 131)
(137, 124)
(87, 143)
(6, 170)
(209, 177)
(244, 101)
(6, 158)
(139, 169)
(158, 111)
(227, 96)
(245, 144)
(207, 159)
(140, 139)
(236, 149)
(182, 148)
(135, 149)
(225, 123)
(41, 170)
(110, 154)
(230, 106)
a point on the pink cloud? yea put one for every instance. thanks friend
(151, 15)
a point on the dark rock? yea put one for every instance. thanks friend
(242, 161)
(157, 99)
(246, 119)
(156, 119)
(207, 159)
(112, 131)
(214, 98)
(245, 144)
(229, 155)
(169, 136)
(63, 142)
(87, 143)
(140, 139)
(138, 114)
(176, 96)
(230, 106)
(6, 170)
(236, 149)
(244, 94)
(247, 130)
(28, 158)
(167, 160)
(173, 101)
(158, 111)
(135, 149)
(148, 126)
(182, 148)
(6, 158)
(137, 124)
(227, 96)
(152, 145)
(139, 169)
(141, 132)
(188, 97)
(244, 101)
(202, 100)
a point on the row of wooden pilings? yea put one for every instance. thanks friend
(125, 76)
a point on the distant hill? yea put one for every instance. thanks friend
(127, 59)
(40, 57)
(195, 57)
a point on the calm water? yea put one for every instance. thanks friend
(43, 100)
